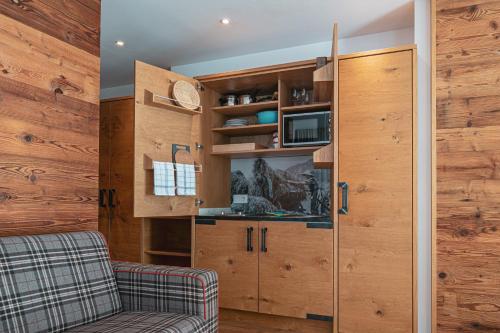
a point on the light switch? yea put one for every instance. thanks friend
(240, 198)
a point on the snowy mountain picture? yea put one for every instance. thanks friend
(281, 183)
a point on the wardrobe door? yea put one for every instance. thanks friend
(125, 229)
(104, 169)
(376, 142)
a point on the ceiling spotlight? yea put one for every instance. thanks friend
(225, 21)
(120, 43)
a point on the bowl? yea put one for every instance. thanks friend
(267, 117)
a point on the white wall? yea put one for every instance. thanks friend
(423, 41)
(302, 52)
(118, 91)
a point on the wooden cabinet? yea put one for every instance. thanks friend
(296, 271)
(371, 252)
(159, 125)
(230, 248)
(376, 236)
(279, 268)
(116, 218)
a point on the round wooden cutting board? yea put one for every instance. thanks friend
(185, 95)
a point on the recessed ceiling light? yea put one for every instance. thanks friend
(225, 21)
(120, 43)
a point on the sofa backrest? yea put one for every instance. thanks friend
(49, 283)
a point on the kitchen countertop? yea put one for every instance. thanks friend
(294, 218)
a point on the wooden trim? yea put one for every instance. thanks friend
(334, 107)
(433, 171)
(379, 51)
(415, 192)
(169, 253)
(113, 99)
(257, 70)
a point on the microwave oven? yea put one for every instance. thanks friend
(306, 129)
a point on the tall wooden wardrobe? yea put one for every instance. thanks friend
(116, 180)
(372, 158)
(376, 237)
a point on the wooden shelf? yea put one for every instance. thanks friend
(245, 109)
(298, 151)
(323, 158)
(247, 130)
(169, 253)
(307, 107)
(164, 102)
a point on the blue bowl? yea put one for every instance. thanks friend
(267, 117)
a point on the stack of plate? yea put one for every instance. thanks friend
(236, 122)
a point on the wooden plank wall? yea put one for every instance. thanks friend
(49, 115)
(467, 249)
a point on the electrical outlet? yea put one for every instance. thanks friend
(240, 198)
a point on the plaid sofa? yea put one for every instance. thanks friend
(66, 282)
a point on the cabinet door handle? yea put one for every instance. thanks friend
(111, 198)
(102, 193)
(249, 239)
(344, 209)
(263, 246)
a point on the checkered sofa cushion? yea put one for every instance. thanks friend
(49, 283)
(151, 322)
(169, 289)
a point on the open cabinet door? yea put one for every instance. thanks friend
(161, 127)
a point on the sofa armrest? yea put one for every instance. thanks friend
(168, 289)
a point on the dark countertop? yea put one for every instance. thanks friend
(295, 218)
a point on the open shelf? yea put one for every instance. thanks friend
(297, 151)
(245, 109)
(166, 103)
(247, 130)
(306, 107)
(169, 253)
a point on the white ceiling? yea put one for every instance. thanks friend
(176, 32)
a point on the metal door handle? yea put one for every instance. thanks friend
(344, 209)
(102, 193)
(263, 247)
(249, 239)
(111, 198)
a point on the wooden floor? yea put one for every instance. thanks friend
(232, 321)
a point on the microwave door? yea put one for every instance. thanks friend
(306, 129)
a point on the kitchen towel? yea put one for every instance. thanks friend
(164, 178)
(186, 179)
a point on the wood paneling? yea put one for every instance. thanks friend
(223, 248)
(36, 59)
(295, 274)
(467, 99)
(49, 118)
(75, 22)
(376, 145)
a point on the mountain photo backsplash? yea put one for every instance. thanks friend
(288, 184)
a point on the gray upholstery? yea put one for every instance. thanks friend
(54, 283)
(49, 283)
(151, 322)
